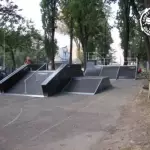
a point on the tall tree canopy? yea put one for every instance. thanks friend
(88, 22)
(18, 37)
(49, 9)
(137, 40)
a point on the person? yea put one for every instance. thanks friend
(139, 70)
(28, 60)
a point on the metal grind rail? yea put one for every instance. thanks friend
(25, 81)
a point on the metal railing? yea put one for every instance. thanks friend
(109, 61)
(25, 81)
(94, 56)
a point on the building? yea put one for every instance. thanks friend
(63, 55)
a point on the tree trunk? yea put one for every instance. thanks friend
(84, 46)
(53, 55)
(84, 63)
(126, 31)
(53, 34)
(71, 40)
(77, 42)
(84, 40)
(13, 58)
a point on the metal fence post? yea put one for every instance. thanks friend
(36, 76)
(104, 62)
(25, 88)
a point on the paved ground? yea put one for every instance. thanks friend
(66, 122)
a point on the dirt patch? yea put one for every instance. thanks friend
(133, 128)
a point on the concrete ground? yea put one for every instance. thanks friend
(64, 122)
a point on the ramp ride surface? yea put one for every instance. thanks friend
(56, 82)
(127, 72)
(110, 71)
(33, 84)
(87, 85)
(92, 70)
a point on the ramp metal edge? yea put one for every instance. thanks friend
(102, 88)
(85, 72)
(98, 86)
(127, 65)
(47, 71)
(126, 79)
(24, 95)
(54, 74)
(14, 72)
(100, 71)
(88, 77)
(66, 85)
(79, 93)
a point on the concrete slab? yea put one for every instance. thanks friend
(65, 122)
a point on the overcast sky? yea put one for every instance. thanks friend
(31, 9)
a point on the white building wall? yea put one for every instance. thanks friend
(64, 53)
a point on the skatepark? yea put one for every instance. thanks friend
(36, 80)
(51, 110)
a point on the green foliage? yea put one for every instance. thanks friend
(49, 16)
(9, 13)
(136, 39)
(90, 24)
(138, 42)
(48, 49)
(19, 42)
(18, 37)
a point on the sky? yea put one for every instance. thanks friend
(31, 10)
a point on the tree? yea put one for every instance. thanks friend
(138, 6)
(9, 13)
(18, 37)
(49, 16)
(123, 19)
(24, 39)
(67, 18)
(137, 43)
(88, 18)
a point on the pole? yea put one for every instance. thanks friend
(4, 59)
(25, 88)
(120, 60)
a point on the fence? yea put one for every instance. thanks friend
(100, 60)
